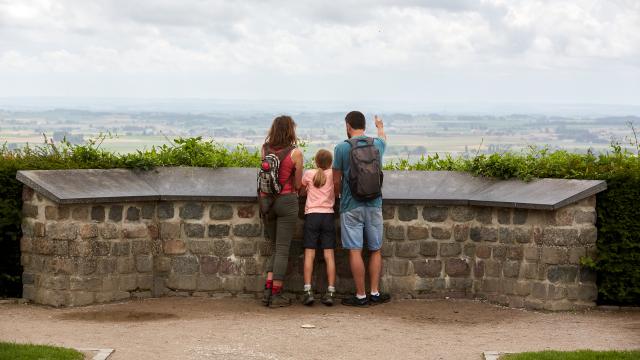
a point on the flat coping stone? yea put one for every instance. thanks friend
(239, 184)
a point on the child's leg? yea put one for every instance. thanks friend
(309, 256)
(330, 261)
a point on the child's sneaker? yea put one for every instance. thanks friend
(328, 298)
(381, 298)
(308, 298)
(354, 301)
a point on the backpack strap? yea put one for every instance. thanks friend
(354, 142)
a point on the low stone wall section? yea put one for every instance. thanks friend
(95, 253)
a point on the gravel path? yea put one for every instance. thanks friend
(205, 328)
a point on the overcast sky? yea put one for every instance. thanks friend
(489, 51)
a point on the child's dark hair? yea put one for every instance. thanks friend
(323, 162)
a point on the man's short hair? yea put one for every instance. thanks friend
(356, 120)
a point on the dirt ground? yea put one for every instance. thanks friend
(231, 328)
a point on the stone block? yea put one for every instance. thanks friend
(80, 298)
(109, 231)
(115, 213)
(429, 248)
(54, 282)
(483, 233)
(417, 232)
(80, 213)
(125, 265)
(388, 212)
(398, 267)
(520, 216)
(97, 213)
(511, 269)
(218, 231)
(515, 253)
(200, 246)
(403, 284)
(62, 231)
(493, 268)
(530, 270)
(555, 292)
(174, 247)
(462, 213)
(185, 265)
(539, 290)
(133, 213)
(86, 266)
(522, 235)
(469, 250)
(588, 236)
(587, 275)
(491, 285)
(148, 210)
(409, 249)
(209, 283)
(562, 273)
(247, 211)
(88, 231)
(247, 230)
(435, 213)
(441, 233)
(249, 266)
(499, 252)
(483, 251)
(587, 292)
(457, 267)
(223, 248)
(141, 247)
(407, 213)
(127, 282)
(450, 249)
(387, 249)
(26, 245)
(461, 232)
(220, 212)
(29, 211)
(144, 263)
(161, 264)
(394, 232)
(166, 211)
(585, 217)
(137, 231)
(169, 230)
(120, 249)
(505, 235)
(484, 215)
(27, 193)
(478, 269)
(182, 282)
(244, 248)
(191, 211)
(554, 255)
(531, 253)
(575, 254)
(427, 268)
(504, 216)
(194, 230)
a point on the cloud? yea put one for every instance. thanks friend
(312, 38)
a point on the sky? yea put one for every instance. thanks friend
(402, 51)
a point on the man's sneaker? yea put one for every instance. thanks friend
(308, 298)
(328, 298)
(381, 298)
(354, 301)
(266, 296)
(279, 300)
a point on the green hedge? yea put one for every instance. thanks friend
(617, 265)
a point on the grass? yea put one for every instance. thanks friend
(574, 355)
(15, 351)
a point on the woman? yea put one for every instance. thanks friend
(281, 210)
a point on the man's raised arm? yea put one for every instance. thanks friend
(380, 127)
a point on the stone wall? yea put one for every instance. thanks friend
(95, 253)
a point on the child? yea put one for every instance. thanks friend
(319, 226)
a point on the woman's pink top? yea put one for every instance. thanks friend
(319, 200)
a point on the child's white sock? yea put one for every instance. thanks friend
(307, 287)
(375, 293)
(361, 296)
(331, 288)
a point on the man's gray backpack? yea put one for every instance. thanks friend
(365, 175)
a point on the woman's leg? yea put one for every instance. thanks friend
(286, 209)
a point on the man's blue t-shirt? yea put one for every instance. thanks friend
(342, 162)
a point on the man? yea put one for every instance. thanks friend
(359, 218)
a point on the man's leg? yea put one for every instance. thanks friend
(375, 268)
(357, 270)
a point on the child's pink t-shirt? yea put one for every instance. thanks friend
(319, 200)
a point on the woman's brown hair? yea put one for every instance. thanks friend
(323, 162)
(282, 133)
